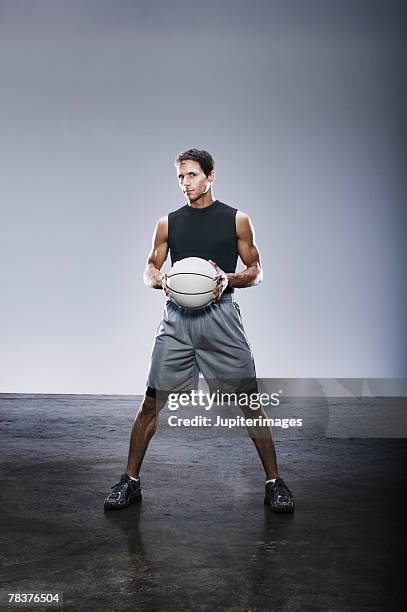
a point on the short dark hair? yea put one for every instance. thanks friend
(204, 158)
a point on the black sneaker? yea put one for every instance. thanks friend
(279, 497)
(124, 493)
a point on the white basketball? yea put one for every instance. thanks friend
(191, 282)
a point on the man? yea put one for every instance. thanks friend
(212, 339)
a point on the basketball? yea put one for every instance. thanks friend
(191, 282)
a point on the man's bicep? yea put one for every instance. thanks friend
(159, 248)
(158, 256)
(249, 253)
(246, 246)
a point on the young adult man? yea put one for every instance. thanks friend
(211, 339)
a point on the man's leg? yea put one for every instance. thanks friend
(263, 441)
(128, 490)
(172, 366)
(277, 495)
(144, 427)
(223, 353)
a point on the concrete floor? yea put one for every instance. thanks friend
(202, 538)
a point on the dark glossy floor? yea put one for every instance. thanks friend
(202, 538)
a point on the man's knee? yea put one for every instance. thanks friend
(151, 406)
(252, 413)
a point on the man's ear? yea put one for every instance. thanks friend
(211, 176)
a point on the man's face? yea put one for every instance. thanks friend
(192, 179)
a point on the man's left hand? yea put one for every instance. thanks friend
(222, 281)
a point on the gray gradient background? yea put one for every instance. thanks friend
(302, 105)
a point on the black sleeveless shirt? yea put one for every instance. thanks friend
(208, 232)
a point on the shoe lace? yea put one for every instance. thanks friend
(282, 488)
(119, 485)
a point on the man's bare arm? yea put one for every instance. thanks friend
(158, 254)
(249, 254)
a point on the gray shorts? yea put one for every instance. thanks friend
(210, 340)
